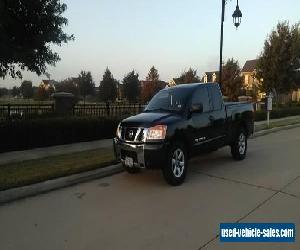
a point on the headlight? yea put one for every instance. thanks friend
(157, 132)
(118, 132)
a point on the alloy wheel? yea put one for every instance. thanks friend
(242, 143)
(178, 162)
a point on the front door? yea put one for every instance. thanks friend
(200, 122)
(217, 116)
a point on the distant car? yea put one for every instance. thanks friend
(181, 122)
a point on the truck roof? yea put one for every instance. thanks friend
(194, 85)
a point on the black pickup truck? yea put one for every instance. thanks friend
(181, 122)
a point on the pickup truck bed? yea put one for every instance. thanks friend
(236, 111)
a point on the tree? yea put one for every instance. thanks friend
(26, 89)
(3, 92)
(69, 85)
(43, 93)
(151, 86)
(86, 84)
(15, 91)
(280, 59)
(189, 76)
(153, 75)
(131, 86)
(108, 87)
(28, 28)
(232, 83)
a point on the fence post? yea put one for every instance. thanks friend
(8, 111)
(107, 108)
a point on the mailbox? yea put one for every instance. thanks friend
(269, 102)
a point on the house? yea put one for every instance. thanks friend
(296, 96)
(248, 74)
(46, 84)
(250, 82)
(173, 82)
(210, 76)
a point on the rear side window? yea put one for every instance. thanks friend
(201, 96)
(216, 97)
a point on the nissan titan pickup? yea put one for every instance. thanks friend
(179, 123)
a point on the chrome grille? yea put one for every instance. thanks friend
(132, 134)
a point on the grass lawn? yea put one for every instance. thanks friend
(33, 171)
(274, 124)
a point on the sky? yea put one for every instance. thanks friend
(172, 35)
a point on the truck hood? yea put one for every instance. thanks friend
(149, 119)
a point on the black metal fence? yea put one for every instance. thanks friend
(102, 110)
(27, 111)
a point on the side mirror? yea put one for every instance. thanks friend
(196, 108)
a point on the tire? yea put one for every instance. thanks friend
(175, 169)
(239, 146)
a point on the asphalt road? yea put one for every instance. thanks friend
(142, 212)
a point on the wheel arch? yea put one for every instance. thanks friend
(180, 137)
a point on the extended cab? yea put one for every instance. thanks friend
(179, 123)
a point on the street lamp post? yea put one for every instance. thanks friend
(237, 18)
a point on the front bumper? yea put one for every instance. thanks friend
(145, 155)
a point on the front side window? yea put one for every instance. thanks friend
(201, 96)
(216, 97)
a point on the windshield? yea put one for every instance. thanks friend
(168, 100)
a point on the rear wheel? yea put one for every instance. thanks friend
(175, 170)
(239, 146)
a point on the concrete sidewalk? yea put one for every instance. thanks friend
(38, 153)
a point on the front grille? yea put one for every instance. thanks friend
(140, 136)
(132, 134)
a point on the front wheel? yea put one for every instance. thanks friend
(175, 170)
(239, 146)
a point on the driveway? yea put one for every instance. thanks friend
(142, 212)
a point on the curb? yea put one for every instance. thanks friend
(50, 185)
(14, 194)
(273, 130)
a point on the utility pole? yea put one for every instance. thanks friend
(221, 43)
(237, 16)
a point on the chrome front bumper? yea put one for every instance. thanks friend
(137, 149)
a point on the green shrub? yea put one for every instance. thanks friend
(25, 134)
(277, 113)
(260, 115)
